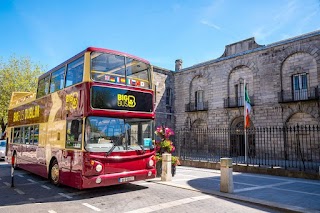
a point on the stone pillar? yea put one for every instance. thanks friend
(166, 167)
(226, 178)
(178, 65)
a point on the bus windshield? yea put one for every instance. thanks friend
(120, 70)
(104, 134)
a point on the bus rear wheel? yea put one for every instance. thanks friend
(54, 172)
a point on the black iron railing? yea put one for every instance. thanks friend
(296, 148)
(236, 102)
(199, 106)
(311, 93)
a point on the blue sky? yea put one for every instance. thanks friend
(49, 32)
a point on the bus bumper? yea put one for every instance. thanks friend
(117, 178)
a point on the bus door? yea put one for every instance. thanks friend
(71, 159)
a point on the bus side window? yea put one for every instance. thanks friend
(57, 80)
(43, 87)
(26, 137)
(74, 129)
(75, 72)
(17, 135)
(34, 134)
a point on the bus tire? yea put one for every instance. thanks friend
(54, 174)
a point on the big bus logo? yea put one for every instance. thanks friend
(72, 101)
(126, 101)
(29, 113)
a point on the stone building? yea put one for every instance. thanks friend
(164, 98)
(282, 78)
(206, 102)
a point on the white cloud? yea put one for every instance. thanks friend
(282, 17)
(262, 33)
(310, 16)
(287, 12)
(204, 22)
(210, 12)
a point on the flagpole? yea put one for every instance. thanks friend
(245, 115)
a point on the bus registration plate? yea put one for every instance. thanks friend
(126, 179)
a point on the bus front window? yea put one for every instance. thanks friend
(113, 134)
(138, 73)
(120, 70)
(107, 67)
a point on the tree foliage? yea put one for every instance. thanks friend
(16, 75)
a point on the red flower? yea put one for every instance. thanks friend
(165, 145)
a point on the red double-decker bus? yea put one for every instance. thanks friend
(90, 123)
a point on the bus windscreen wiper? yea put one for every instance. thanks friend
(112, 148)
(142, 148)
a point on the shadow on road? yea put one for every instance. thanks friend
(30, 188)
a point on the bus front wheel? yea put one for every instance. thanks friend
(54, 172)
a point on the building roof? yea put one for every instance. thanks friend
(248, 51)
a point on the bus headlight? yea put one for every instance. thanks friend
(99, 168)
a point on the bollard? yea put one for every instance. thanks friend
(226, 179)
(166, 167)
(12, 169)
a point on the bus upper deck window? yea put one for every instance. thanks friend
(75, 72)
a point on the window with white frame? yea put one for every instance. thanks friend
(300, 86)
(199, 99)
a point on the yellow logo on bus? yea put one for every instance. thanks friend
(126, 101)
(72, 101)
(29, 113)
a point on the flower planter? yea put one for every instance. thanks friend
(165, 146)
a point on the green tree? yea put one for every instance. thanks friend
(16, 75)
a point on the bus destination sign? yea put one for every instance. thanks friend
(120, 99)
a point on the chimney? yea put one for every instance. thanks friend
(178, 65)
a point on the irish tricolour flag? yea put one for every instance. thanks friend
(247, 108)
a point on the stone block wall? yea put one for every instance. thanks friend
(267, 69)
(163, 80)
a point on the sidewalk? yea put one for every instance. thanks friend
(282, 193)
